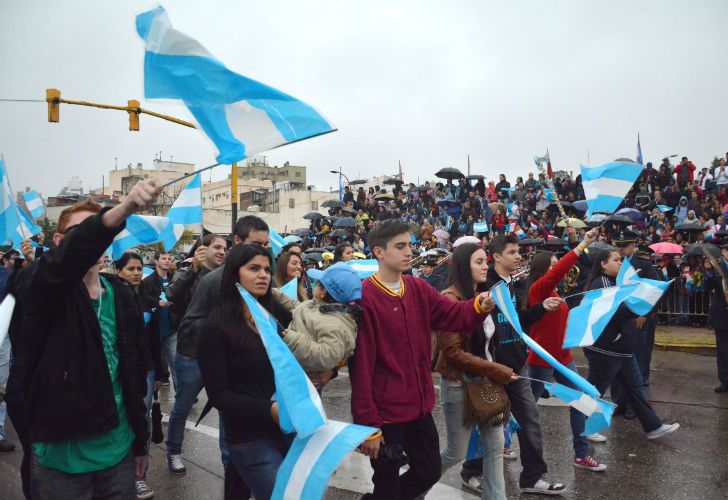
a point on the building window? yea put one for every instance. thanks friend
(314, 205)
(291, 203)
(298, 174)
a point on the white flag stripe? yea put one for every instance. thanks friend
(253, 127)
(648, 293)
(163, 39)
(585, 404)
(599, 308)
(606, 186)
(189, 198)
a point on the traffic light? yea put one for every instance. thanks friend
(54, 108)
(133, 115)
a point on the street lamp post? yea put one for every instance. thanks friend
(341, 174)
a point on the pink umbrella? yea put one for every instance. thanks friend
(665, 247)
(441, 234)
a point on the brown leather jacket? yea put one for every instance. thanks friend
(454, 359)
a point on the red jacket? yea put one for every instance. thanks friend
(550, 330)
(390, 370)
(499, 221)
(690, 167)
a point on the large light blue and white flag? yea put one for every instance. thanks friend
(34, 203)
(140, 230)
(606, 186)
(599, 411)
(305, 471)
(648, 292)
(277, 242)
(364, 268)
(9, 220)
(186, 210)
(291, 289)
(480, 227)
(588, 320)
(242, 117)
(503, 300)
(639, 159)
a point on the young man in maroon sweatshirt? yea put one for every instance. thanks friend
(392, 386)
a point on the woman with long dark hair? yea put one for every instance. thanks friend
(611, 357)
(237, 373)
(459, 359)
(343, 252)
(545, 272)
(288, 267)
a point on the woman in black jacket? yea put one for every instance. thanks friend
(237, 373)
(611, 357)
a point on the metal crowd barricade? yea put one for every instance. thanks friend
(683, 305)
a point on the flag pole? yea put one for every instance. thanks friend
(190, 175)
(12, 198)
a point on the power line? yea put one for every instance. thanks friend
(22, 100)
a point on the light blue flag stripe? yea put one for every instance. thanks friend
(588, 320)
(241, 116)
(598, 411)
(618, 170)
(302, 402)
(9, 220)
(648, 292)
(505, 305)
(548, 194)
(34, 203)
(639, 151)
(480, 227)
(364, 268)
(664, 208)
(291, 289)
(605, 186)
(310, 461)
(599, 420)
(277, 242)
(139, 230)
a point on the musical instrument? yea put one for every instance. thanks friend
(417, 261)
(521, 273)
(571, 278)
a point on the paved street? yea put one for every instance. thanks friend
(689, 464)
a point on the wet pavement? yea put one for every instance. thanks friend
(689, 464)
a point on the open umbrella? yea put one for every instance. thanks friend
(314, 216)
(313, 257)
(595, 220)
(556, 242)
(697, 249)
(392, 181)
(632, 213)
(448, 203)
(449, 173)
(689, 228)
(619, 220)
(475, 177)
(303, 232)
(357, 181)
(293, 238)
(665, 248)
(332, 204)
(573, 222)
(530, 241)
(441, 234)
(600, 245)
(340, 233)
(345, 222)
(419, 189)
(580, 205)
(384, 197)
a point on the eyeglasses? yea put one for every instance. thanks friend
(69, 229)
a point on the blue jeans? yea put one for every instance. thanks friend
(169, 353)
(604, 369)
(576, 418)
(190, 383)
(452, 395)
(4, 373)
(257, 462)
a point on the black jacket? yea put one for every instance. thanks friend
(16, 386)
(69, 394)
(620, 335)
(718, 307)
(510, 350)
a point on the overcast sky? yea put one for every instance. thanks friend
(421, 82)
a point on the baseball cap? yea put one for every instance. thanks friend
(340, 280)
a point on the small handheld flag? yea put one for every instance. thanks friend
(587, 321)
(186, 209)
(648, 292)
(291, 289)
(34, 203)
(140, 230)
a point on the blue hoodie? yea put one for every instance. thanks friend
(681, 211)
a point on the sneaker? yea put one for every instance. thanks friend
(143, 490)
(6, 446)
(543, 487)
(723, 387)
(510, 454)
(473, 484)
(662, 430)
(589, 463)
(597, 438)
(175, 465)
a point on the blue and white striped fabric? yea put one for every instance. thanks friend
(310, 462)
(7, 306)
(505, 305)
(364, 268)
(587, 321)
(27, 227)
(606, 186)
(9, 220)
(277, 242)
(648, 292)
(34, 203)
(664, 208)
(480, 227)
(186, 209)
(293, 387)
(291, 289)
(548, 194)
(140, 230)
(242, 117)
(599, 411)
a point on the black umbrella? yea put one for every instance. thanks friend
(357, 181)
(314, 250)
(345, 222)
(314, 256)
(449, 173)
(619, 220)
(384, 196)
(340, 233)
(697, 249)
(314, 216)
(392, 181)
(322, 233)
(689, 228)
(303, 232)
(721, 234)
(600, 245)
(475, 177)
(556, 242)
(333, 204)
(530, 241)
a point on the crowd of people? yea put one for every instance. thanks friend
(93, 341)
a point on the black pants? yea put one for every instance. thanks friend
(721, 344)
(17, 417)
(420, 441)
(645, 344)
